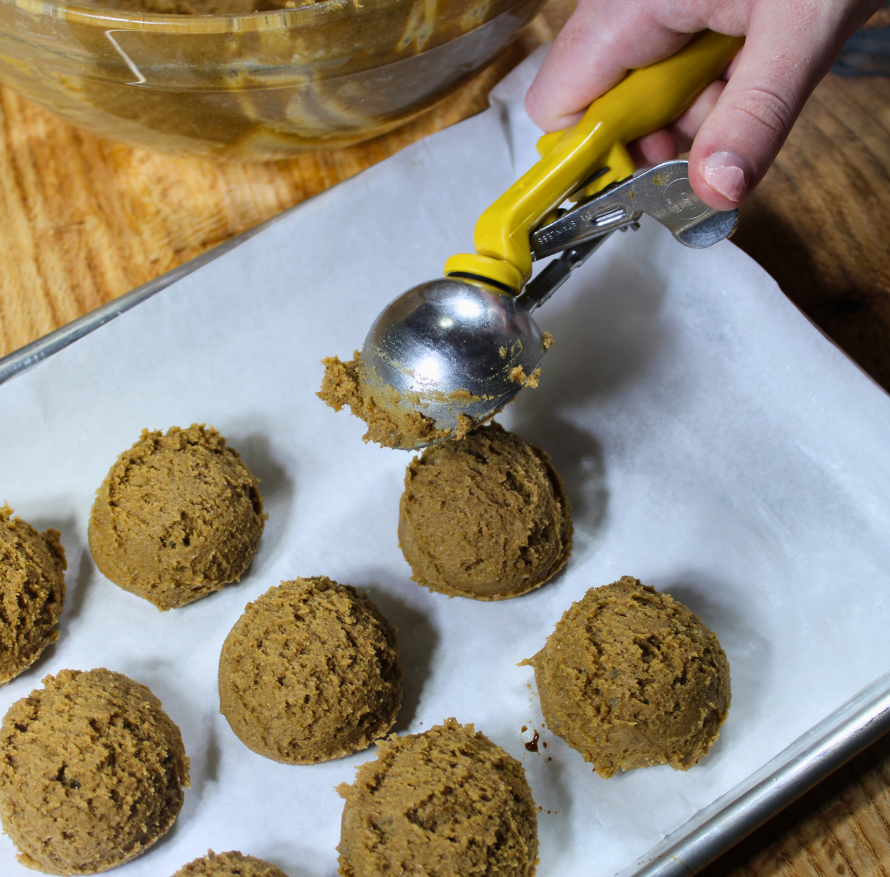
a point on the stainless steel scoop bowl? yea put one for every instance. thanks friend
(451, 347)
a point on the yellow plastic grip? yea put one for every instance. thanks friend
(644, 101)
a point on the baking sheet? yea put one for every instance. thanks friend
(714, 445)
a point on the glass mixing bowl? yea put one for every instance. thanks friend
(258, 86)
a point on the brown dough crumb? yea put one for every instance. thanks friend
(32, 592)
(91, 772)
(486, 517)
(530, 381)
(631, 678)
(548, 341)
(231, 864)
(310, 672)
(447, 802)
(389, 424)
(464, 425)
(177, 517)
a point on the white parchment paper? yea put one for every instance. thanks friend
(714, 445)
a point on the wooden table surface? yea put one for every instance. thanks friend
(83, 220)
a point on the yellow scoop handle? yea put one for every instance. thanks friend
(644, 101)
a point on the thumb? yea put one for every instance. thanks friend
(785, 56)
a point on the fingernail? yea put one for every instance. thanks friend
(726, 174)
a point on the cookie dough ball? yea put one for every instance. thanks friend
(631, 678)
(178, 517)
(486, 517)
(231, 864)
(310, 672)
(32, 592)
(447, 802)
(91, 772)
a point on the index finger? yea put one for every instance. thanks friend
(600, 42)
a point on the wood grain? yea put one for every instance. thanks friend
(84, 220)
(819, 222)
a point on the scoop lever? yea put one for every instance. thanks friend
(662, 192)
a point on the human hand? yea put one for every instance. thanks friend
(738, 124)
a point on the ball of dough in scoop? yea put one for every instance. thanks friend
(91, 772)
(632, 678)
(178, 517)
(310, 672)
(32, 592)
(485, 517)
(445, 802)
(231, 864)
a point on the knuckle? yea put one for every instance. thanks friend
(767, 107)
(730, 17)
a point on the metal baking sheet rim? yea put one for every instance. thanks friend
(823, 749)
